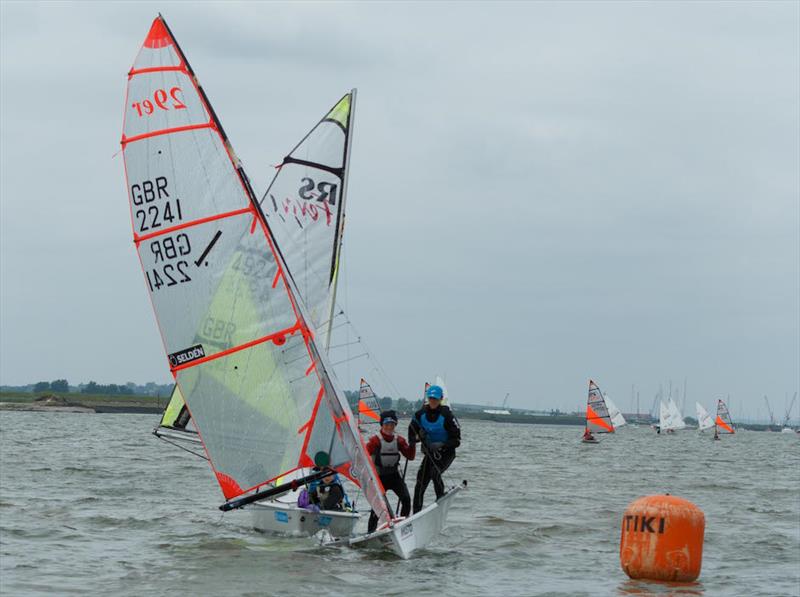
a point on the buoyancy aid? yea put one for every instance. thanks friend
(435, 432)
(387, 457)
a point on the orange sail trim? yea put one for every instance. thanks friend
(365, 410)
(597, 419)
(720, 423)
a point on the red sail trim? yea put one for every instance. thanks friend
(176, 129)
(138, 239)
(230, 488)
(311, 367)
(257, 486)
(158, 36)
(157, 69)
(276, 336)
(309, 426)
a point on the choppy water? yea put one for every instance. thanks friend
(92, 504)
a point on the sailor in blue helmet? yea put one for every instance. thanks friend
(435, 426)
(386, 447)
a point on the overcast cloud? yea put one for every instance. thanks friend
(540, 193)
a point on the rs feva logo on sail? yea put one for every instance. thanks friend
(325, 191)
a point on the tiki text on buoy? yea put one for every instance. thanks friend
(662, 539)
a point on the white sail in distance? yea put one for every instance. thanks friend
(663, 416)
(674, 419)
(704, 420)
(238, 340)
(616, 415)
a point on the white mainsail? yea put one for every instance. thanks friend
(616, 415)
(670, 417)
(239, 341)
(704, 420)
(676, 419)
(663, 416)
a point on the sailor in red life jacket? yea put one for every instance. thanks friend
(438, 430)
(385, 448)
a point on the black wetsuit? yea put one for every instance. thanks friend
(393, 482)
(438, 455)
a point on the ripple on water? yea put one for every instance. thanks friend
(127, 515)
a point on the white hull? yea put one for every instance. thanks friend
(284, 519)
(411, 534)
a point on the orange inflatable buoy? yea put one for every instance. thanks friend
(662, 539)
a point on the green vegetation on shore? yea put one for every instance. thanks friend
(96, 401)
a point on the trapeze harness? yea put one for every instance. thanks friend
(388, 457)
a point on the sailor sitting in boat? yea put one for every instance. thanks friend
(438, 430)
(385, 448)
(328, 493)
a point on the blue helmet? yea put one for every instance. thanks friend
(434, 392)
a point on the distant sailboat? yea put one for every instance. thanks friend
(704, 420)
(670, 418)
(368, 408)
(723, 422)
(598, 419)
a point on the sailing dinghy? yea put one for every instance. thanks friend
(670, 419)
(238, 336)
(368, 408)
(598, 419)
(723, 422)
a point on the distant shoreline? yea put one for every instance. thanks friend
(127, 404)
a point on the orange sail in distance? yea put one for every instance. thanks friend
(597, 418)
(368, 409)
(723, 422)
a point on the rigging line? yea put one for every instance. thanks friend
(363, 354)
(345, 344)
(164, 439)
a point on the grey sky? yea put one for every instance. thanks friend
(539, 194)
